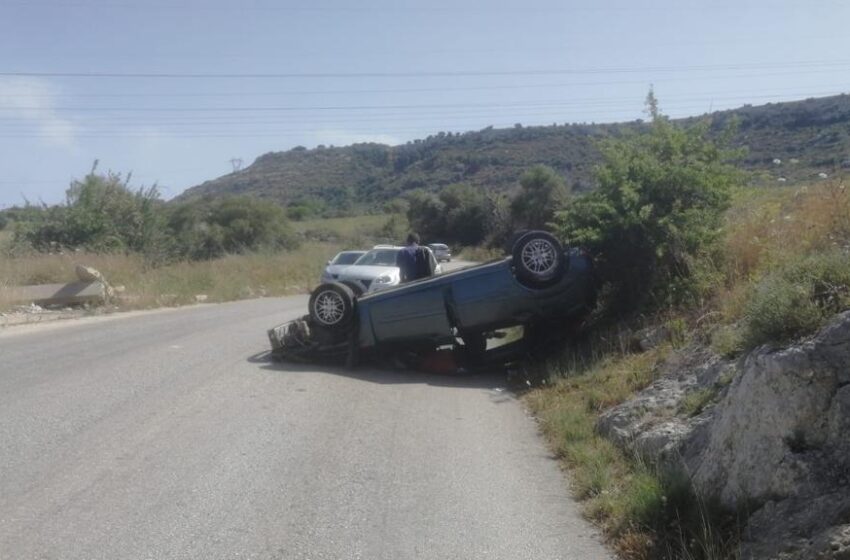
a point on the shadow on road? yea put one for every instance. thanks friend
(491, 378)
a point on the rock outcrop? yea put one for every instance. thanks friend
(770, 431)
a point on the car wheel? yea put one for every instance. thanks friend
(538, 259)
(355, 288)
(332, 305)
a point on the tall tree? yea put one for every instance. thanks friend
(542, 192)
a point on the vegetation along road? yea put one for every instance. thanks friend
(169, 435)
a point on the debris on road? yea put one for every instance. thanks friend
(51, 301)
(74, 293)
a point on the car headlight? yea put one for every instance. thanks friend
(327, 277)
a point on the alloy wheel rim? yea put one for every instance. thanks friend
(329, 307)
(539, 256)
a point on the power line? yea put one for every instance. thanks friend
(383, 107)
(290, 108)
(289, 133)
(398, 109)
(233, 128)
(375, 110)
(387, 90)
(427, 74)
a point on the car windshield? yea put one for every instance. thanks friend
(378, 257)
(438, 247)
(347, 258)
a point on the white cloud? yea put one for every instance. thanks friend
(33, 101)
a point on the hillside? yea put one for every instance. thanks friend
(808, 137)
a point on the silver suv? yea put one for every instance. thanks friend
(377, 270)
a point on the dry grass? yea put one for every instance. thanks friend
(767, 226)
(770, 231)
(355, 232)
(229, 278)
(348, 226)
(480, 254)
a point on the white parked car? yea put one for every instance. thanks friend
(377, 270)
(342, 260)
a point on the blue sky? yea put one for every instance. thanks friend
(173, 91)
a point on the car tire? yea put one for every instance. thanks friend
(538, 259)
(332, 306)
(355, 288)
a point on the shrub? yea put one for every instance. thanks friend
(796, 298)
(211, 229)
(101, 214)
(657, 210)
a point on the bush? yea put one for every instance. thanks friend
(213, 228)
(797, 298)
(457, 214)
(101, 214)
(657, 211)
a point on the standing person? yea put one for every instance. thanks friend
(414, 261)
(406, 258)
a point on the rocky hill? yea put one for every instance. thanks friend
(771, 439)
(793, 141)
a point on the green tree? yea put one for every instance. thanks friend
(426, 214)
(457, 214)
(212, 228)
(101, 213)
(659, 204)
(466, 214)
(542, 192)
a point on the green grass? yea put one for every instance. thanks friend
(797, 297)
(646, 512)
(356, 232)
(696, 401)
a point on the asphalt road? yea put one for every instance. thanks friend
(169, 435)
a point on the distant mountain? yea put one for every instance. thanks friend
(793, 142)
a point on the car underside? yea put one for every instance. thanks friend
(467, 311)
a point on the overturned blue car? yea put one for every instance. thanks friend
(540, 283)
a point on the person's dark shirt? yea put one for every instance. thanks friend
(406, 262)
